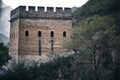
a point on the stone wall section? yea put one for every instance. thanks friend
(14, 38)
(32, 46)
(29, 45)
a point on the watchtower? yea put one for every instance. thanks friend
(36, 33)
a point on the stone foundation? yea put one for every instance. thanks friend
(28, 59)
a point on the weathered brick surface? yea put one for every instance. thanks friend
(30, 44)
(14, 36)
(21, 45)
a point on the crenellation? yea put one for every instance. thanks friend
(31, 8)
(15, 13)
(67, 13)
(50, 9)
(22, 8)
(41, 9)
(20, 12)
(59, 12)
(67, 10)
(59, 9)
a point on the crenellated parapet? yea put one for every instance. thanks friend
(59, 13)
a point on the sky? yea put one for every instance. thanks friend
(46, 3)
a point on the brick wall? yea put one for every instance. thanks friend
(32, 22)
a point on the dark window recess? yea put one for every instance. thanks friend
(52, 45)
(64, 34)
(40, 47)
(26, 33)
(52, 34)
(39, 34)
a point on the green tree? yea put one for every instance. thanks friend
(4, 56)
(104, 8)
(93, 40)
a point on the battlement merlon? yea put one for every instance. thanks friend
(21, 12)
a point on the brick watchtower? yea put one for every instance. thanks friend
(36, 33)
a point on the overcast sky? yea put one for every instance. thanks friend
(46, 3)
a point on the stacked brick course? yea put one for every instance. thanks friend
(37, 33)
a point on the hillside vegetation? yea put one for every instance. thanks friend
(97, 7)
(99, 16)
(97, 34)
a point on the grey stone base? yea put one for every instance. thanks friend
(27, 59)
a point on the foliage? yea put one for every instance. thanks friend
(103, 8)
(60, 69)
(96, 7)
(4, 56)
(93, 41)
(91, 30)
